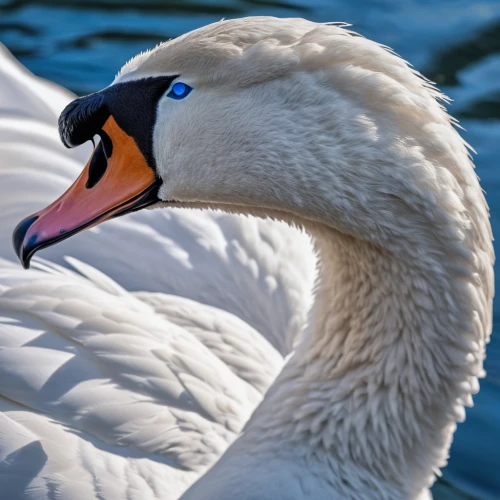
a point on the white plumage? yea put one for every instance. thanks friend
(116, 394)
(118, 390)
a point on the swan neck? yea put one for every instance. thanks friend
(377, 384)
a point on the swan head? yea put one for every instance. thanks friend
(280, 117)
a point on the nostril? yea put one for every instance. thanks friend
(106, 144)
(97, 167)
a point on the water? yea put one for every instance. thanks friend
(81, 44)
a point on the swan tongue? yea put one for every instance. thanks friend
(115, 181)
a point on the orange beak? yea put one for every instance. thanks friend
(115, 181)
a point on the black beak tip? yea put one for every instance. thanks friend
(24, 250)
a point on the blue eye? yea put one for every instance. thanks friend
(179, 90)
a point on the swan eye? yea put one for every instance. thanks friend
(179, 90)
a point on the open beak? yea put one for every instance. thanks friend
(116, 180)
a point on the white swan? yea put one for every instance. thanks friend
(290, 119)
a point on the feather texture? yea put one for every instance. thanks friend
(112, 389)
(169, 353)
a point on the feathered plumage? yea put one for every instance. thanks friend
(81, 421)
(327, 131)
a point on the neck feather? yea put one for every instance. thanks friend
(392, 354)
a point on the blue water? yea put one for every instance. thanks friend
(81, 44)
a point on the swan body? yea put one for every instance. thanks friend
(325, 130)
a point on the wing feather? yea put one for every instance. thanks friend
(133, 356)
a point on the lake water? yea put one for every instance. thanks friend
(81, 44)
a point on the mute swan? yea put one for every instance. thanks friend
(315, 126)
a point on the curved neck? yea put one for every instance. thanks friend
(366, 405)
(375, 387)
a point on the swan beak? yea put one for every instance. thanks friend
(115, 181)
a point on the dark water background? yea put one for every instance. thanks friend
(81, 44)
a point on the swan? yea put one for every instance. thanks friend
(312, 125)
